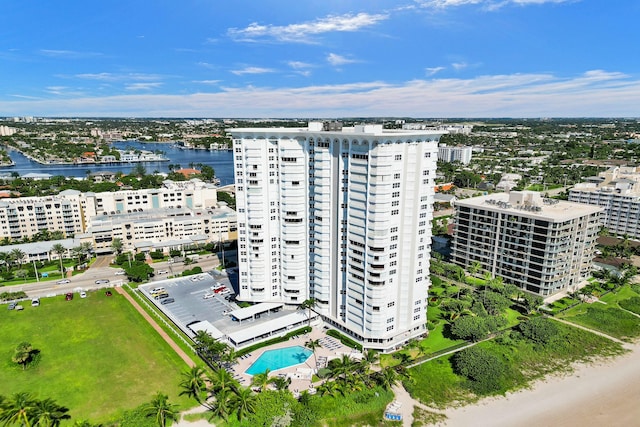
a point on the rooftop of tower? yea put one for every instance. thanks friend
(530, 204)
(335, 127)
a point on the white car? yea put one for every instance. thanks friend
(63, 281)
(208, 296)
(120, 273)
(163, 271)
(35, 302)
(157, 290)
(83, 294)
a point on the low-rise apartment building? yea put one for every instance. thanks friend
(177, 211)
(540, 245)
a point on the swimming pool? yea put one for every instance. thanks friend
(279, 359)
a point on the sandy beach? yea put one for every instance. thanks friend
(605, 393)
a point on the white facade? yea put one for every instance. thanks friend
(340, 215)
(540, 245)
(455, 154)
(176, 211)
(26, 216)
(617, 190)
(193, 194)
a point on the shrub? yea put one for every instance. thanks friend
(485, 371)
(539, 330)
(344, 339)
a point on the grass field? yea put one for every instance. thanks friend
(98, 356)
(436, 384)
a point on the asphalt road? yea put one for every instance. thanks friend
(100, 270)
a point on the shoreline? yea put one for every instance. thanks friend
(600, 393)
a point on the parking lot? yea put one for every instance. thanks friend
(189, 304)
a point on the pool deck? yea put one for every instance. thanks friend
(330, 348)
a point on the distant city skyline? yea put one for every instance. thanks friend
(415, 58)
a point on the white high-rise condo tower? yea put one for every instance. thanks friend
(341, 216)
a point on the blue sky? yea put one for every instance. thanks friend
(320, 59)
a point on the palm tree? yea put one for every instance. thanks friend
(313, 345)
(221, 379)
(116, 245)
(60, 251)
(308, 304)
(243, 402)
(220, 407)
(22, 354)
(330, 387)
(161, 409)
(387, 378)
(193, 384)
(47, 413)
(18, 410)
(17, 256)
(5, 259)
(341, 367)
(261, 380)
(280, 383)
(369, 358)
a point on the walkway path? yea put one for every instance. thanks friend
(408, 403)
(593, 331)
(157, 327)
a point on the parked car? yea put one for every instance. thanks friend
(157, 290)
(35, 302)
(167, 301)
(163, 271)
(12, 305)
(208, 295)
(108, 293)
(19, 307)
(68, 296)
(162, 296)
(63, 281)
(83, 294)
(120, 273)
(102, 281)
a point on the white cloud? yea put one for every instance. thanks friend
(297, 65)
(252, 70)
(72, 54)
(594, 93)
(433, 70)
(300, 33)
(143, 86)
(488, 4)
(459, 65)
(207, 82)
(114, 77)
(337, 60)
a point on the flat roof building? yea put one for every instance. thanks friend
(617, 191)
(540, 245)
(342, 216)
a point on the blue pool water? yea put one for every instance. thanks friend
(278, 359)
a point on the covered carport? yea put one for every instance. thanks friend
(268, 329)
(255, 311)
(207, 327)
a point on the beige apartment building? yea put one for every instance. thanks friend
(540, 245)
(179, 211)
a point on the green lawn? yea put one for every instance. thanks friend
(98, 356)
(436, 384)
(607, 319)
